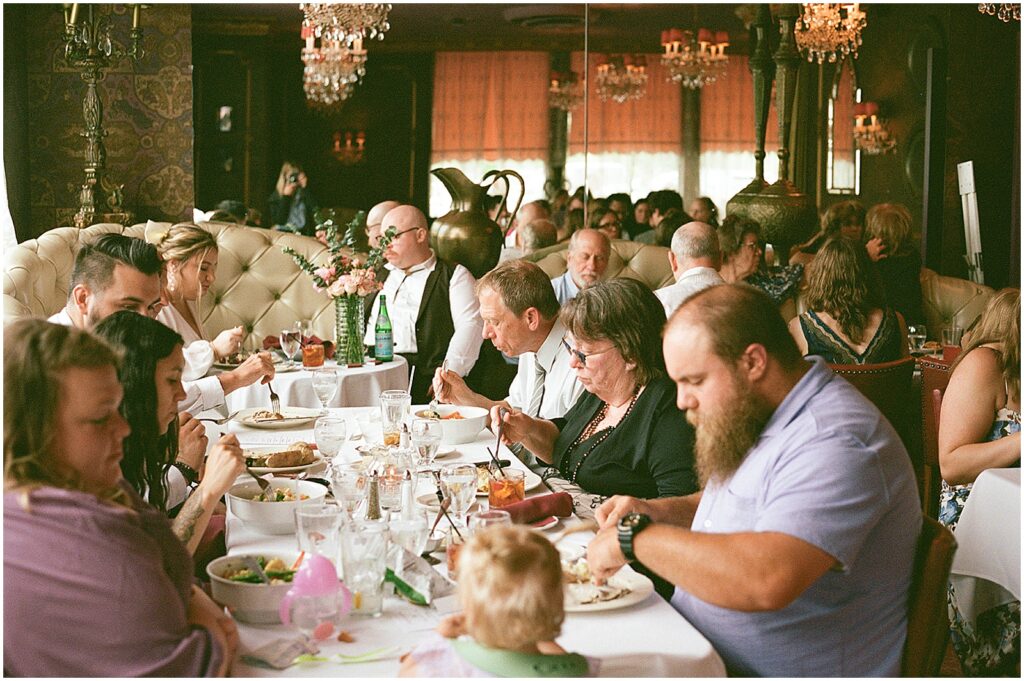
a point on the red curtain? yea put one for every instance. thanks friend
(485, 106)
(727, 111)
(843, 116)
(649, 124)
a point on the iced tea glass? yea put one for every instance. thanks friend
(506, 487)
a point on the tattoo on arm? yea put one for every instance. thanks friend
(184, 525)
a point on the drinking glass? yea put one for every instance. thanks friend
(410, 533)
(458, 483)
(305, 328)
(290, 343)
(492, 518)
(389, 487)
(325, 385)
(426, 438)
(395, 406)
(348, 484)
(506, 487)
(318, 530)
(364, 556)
(312, 355)
(329, 433)
(917, 334)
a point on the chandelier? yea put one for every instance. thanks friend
(345, 22)
(622, 77)
(869, 131)
(830, 31)
(1005, 11)
(564, 92)
(694, 61)
(331, 71)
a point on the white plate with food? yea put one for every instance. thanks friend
(623, 589)
(289, 417)
(281, 366)
(483, 478)
(298, 456)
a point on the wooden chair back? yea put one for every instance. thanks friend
(927, 618)
(934, 376)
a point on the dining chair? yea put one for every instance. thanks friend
(889, 386)
(935, 373)
(932, 478)
(927, 618)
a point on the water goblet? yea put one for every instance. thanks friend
(329, 433)
(425, 439)
(290, 344)
(305, 328)
(325, 385)
(493, 518)
(458, 483)
(348, 485)
(318, 529)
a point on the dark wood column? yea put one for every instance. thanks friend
(689, 171)
(558, 133)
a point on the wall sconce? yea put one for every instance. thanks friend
(869, 130)
(349, 147)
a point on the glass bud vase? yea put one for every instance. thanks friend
(348, 330)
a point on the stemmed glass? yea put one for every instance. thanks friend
(290, 343)
(329, 434)
(304, 327)
(458, 483)
(348, 484)
(325, 385)
(917, 334)
(425, 438)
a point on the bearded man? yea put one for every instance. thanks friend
(796, 558)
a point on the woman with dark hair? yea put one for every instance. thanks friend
(625, 434)
(95, 583)
(743, 260)
(848, 320)
(292, 206)
(151, 377)
(607, 221)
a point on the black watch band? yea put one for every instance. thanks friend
(190, 474)
(629, 527)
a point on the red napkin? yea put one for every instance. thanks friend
(274, 343)
(536, 508)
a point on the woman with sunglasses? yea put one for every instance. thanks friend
(625, 434)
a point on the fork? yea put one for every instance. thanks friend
(264, 484)
(275, 401)
(220, 421)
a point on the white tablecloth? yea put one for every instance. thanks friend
(986, 567)
(360, 387)
(646, 639)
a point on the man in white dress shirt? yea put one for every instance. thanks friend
(433, 309)
(520, 315)
(586, 261)
(694, 258)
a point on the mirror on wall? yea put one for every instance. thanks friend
(842, 158)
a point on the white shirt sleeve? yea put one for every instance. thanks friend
(198, 360)
(177, 487)
(205, 393)
(464, 347)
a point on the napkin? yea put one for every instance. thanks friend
(273, 343)
(535, 508)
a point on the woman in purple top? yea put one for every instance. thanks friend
(95, 582)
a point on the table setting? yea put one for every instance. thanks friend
(389, 522)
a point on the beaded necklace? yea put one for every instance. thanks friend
(589, 432)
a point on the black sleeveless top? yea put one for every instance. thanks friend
(885, 346)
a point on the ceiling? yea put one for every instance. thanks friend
(426, 27)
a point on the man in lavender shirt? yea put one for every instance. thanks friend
(796, 558)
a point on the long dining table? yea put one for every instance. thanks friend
(648, 638)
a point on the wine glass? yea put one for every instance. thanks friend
(290, 343)
(917, 334)
(325, 385)
(426, 438)
(329, 433)
(305, 328)
(492, 518)
(348, 484)
(458, 483)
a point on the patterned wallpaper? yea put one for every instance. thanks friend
(147, 113)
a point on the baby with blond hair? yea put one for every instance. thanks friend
(511, 591)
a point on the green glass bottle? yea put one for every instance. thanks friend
(384, 347)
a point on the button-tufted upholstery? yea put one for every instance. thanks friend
(257, 286)
(645, 263)
(949, 300)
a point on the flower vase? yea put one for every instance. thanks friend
(348, 330)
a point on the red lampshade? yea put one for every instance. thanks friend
(722, 37)
(675, 35)
(870, 109)
(705, 36)
(858, 110)
(665, 39)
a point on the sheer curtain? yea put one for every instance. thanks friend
(634, 146)
(490, 111)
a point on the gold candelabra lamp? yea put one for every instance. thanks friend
(89, 47)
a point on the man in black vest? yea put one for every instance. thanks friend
(432, 304)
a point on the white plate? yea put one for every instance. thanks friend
(640, 589)
(293, 418)
(444, 451)
(260, 470)
(531, 479)
(280, 366)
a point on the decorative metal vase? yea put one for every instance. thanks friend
(349, 328)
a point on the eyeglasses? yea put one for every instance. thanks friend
(579, 355)
(404, 231)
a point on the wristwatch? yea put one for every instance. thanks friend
(629, 527)
(190, 474)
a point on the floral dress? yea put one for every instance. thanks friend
(990, 646)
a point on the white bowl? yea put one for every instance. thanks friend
(252, 603)
(458, 431)
(272, 517)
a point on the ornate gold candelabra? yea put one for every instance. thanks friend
(88, 46)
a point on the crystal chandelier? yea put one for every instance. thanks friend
(1005, 11)
(344, 22)
(869, 131)
(830, 31)
(564, 92)
(622, 77)
(331, 71)
(694, 61)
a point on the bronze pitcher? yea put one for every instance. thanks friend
(466, 235)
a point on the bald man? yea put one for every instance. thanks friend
(586, 261)
(375, 217)
(695, 257)
(527, 213)
(432, 304)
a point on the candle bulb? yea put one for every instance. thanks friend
(74, 14)
(136, 15)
